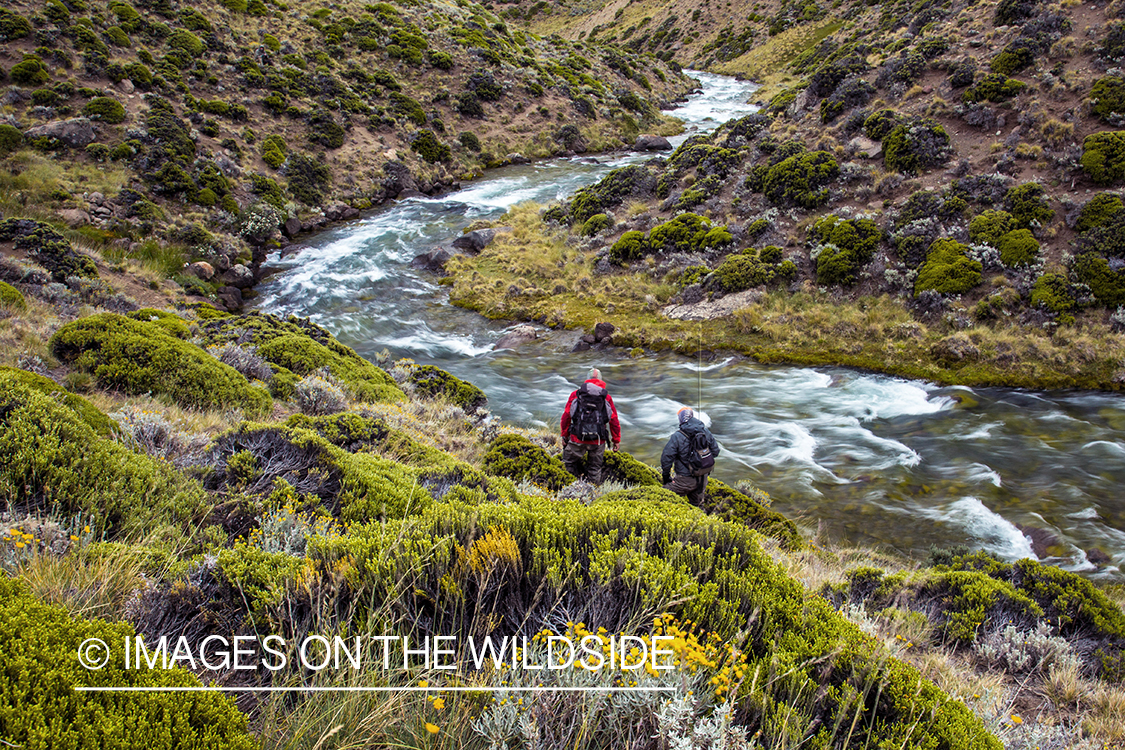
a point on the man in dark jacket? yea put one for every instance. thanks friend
(679, 452)
(589, 421)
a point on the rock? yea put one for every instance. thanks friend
(517, 158)
(433, 261)
(77, 132)
(96, 198)
(13, 96)
(291, 227)
(230, 297)
(201, 270)
(692, 294)
(74, 217)
(955, 348)
(238, 276)
(314, 223)
(1097, 556)
(866, 146)
(291, 250)
(126, 86)
(397, 178)
(1042, 541)
(603, 331)
(581, 346)
(476, 240)
(652, 143)
(409, 193)
(334, 212)
(521, 334)
(350, 212)
(710, 310)
(589, 339)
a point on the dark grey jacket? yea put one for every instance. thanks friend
(678, 449)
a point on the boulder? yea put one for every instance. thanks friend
(74, 217)
(291, 227)
(126, 86)
(77, 132)
(476, 240)
(349, 213)
(230, 297)
(517, 158)
(201, 270)
(520, 334)
(238, 276)
(866, 146)
(433, 261)
(648, 142)
(294, 249)
(603, 332)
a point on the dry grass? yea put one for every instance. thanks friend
(84, 584)
(201, 422)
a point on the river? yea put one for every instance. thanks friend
(867, 458)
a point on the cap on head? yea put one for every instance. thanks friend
(684, 414)
(594, 374)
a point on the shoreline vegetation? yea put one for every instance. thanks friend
(547, 275)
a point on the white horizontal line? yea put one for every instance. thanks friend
(459, 688)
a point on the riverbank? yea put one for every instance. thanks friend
(551, 276)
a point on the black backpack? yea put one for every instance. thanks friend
(699, 458)
(590, 420)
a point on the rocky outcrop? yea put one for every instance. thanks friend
(78, 132)
(520, 334)
(433, 261)
(600, 338)
(478, 239)
(652, 143)
(710, 310)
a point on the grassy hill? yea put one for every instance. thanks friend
(946, 178)
(206, 126)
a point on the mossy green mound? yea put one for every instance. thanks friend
(517, 458)
(435, 382)
(1103, 157)
(40, 708)
(640, 551)
(87, 412)
(948, 269)
(11, 298)
(141, 357)
(53, 457)
(298, 348)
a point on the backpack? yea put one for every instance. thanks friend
(590, 420)
(699, 458)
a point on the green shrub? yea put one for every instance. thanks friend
(1018, 248)
(1107, 285)
(325, 130)
(919, 145)
(1052, 291)
(990, 225)
(880, 124)
(749, 269)
(53, 456)
(171, 323)
(274, 150)
(440, 60)
(948, 269)
(87, 412)
(1108, 96)
(30, 72)
(1013, 58)
(687, 233)
(1113, 43)
(1028, 205)
(106, 109)
(11, 298)
(41, 670)
(433, 382)
(301, 348)
(308, 178)
(13, 26)
(801, 179)
(403, 106)
(10, 139)
(596, 223)
(631, 246)
(1101, 210)
(427, 145)
(469, 141)
(851, 245)
(48, 248)
(141, 357)
(994, 87)
(610, 191)
(517, 458)
(187, 43)
(1103, 156)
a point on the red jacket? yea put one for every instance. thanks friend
(572, 405)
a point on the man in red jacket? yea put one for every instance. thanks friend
(589, 421)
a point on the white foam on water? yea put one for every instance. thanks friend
(431, 343)
(1108, 445)
(982, 473)
(981, 433)
(696, 367)
(873, 397)
(1086, 514)
(996, 533)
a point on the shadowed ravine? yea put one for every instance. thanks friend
(877, 460)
